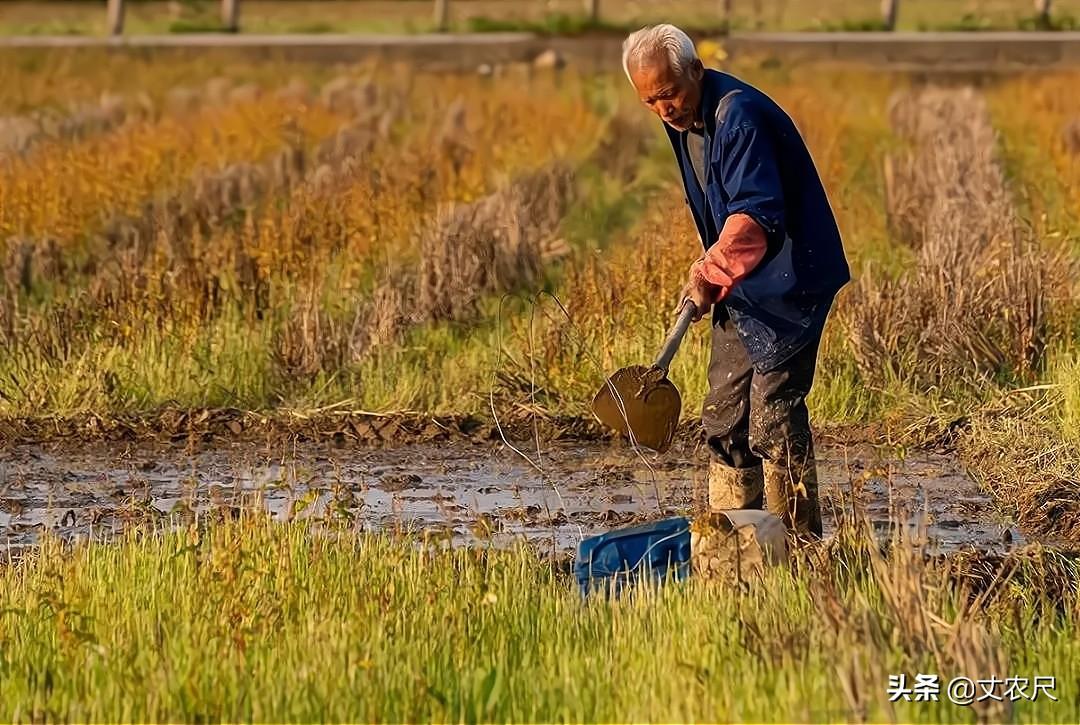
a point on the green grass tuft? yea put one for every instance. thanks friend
(278, 622)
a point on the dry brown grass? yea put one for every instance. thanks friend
(1039, 116)
(977, 301)
(312, 341)
(465, 252)
(469, 252)
(398, 212)
(1016, 451)
(504, 242)
(949, 612)
(494, 245)
(1070, 136)
(20, 133)
(168, 258)
(915, 592)
(290, 235)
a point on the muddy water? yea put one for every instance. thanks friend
(458, 493)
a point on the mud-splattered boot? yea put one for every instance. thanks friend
(791, 493)
(734, 488)
(733, 545)
(736, 538)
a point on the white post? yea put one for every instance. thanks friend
(592, 10)
(442, 15)
(114, 11)
(889, 9)
(230, 15)
(1042, 11)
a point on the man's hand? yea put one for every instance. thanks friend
(740, 248)
(700, 291)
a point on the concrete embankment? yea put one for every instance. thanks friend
(959, 52)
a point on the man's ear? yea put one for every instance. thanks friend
(696, 70)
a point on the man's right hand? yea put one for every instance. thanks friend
(700, 291)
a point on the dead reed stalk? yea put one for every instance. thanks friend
(497, 244)
(975, 302)
(925, 610)
(19, 134)
(1070, 136)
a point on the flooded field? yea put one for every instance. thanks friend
(457, 493)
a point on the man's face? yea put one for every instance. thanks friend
(675, 99)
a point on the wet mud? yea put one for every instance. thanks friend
(454, 492)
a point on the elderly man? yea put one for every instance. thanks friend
(772, 265)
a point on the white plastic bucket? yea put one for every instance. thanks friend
(736, 544)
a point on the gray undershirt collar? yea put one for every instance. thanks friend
(695, 144)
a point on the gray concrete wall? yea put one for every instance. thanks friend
(954, 51)
(976, 52)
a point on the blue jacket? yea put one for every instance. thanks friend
(758, 165)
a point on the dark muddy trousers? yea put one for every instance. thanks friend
(753, 418)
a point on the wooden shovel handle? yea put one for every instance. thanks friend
(675, 335)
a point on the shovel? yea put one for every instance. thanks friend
(640, 402)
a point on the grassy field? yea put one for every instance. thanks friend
(277, 622)
(272, 262)
(562, 16)
(296, 294)
(300, 242)
(342, 243)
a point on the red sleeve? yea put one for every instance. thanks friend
(741, 246)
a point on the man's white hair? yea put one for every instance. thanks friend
(649, 42)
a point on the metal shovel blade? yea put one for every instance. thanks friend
(642, 404)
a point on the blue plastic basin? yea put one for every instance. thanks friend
(655, 551)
